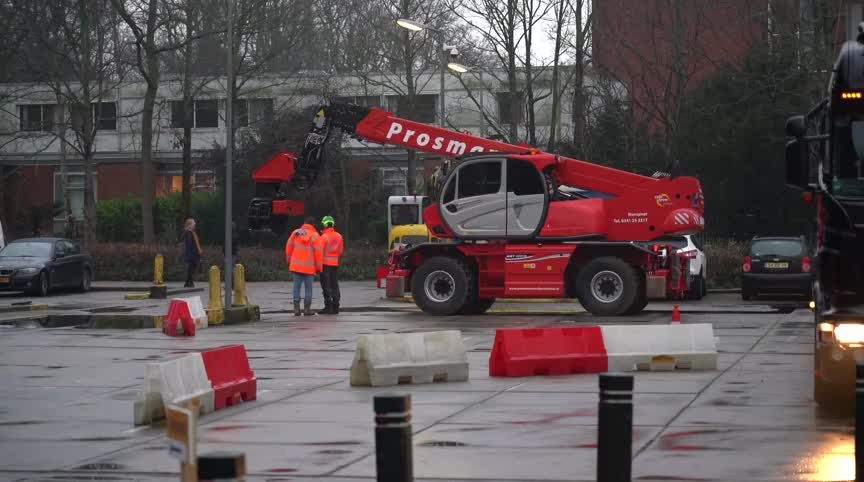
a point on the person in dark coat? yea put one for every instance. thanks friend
(191, 251)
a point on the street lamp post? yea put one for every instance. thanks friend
(415, 26)
(229, 147)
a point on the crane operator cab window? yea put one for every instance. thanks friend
(493, 198)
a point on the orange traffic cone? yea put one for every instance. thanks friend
(676, 315)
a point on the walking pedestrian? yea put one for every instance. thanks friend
(333, 249)
(191, 251)
(304, 256)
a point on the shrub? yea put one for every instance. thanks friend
(119, 220)
(134, 262)
(724, 263)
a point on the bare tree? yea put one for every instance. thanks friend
(70, 50)
(147, 21)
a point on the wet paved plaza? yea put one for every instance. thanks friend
(66, 410)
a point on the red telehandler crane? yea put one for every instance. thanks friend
(519, 225)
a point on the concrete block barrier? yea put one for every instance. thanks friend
(392, 359)
(660, 347)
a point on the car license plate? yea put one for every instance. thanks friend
(4, 280)
(776, 265)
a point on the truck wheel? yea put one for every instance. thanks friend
(477, 306)
(698, 290)
(440, 286)
(829, 395)
(641, 297)
(608, 286)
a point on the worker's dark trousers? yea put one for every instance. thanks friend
(330, 285)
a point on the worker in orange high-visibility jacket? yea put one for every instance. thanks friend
(304, 255)
(333, 245)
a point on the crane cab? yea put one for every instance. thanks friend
(494, 197)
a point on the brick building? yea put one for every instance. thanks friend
(655, 47)
(30, 154)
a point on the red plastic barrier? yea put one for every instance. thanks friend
(178, 315)
(230, 375)
(381, 272)
(548, 351)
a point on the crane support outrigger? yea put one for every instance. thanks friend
(520, 225)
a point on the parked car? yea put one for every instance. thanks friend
(691, 246)
(39, 265)
(776, 264)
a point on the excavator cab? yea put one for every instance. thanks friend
(494, 196)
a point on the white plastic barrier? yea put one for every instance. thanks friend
(391, 359)
(173, 382)
(148, 404)
(660, 347)
(196, 310)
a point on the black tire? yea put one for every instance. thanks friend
(615, 283)
(86, 278)
(829, 395)
(477, 306)
(641, 297)
(449, 282)
(698, 291)
(43, 286)
(746, 294)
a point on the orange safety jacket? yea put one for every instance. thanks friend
(303, 251)
(333, 246)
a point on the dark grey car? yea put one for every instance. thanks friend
(39, 265)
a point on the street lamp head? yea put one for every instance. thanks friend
(410, 24)
(455, 67)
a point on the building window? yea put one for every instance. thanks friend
(394, 180)
(205, 114)
(425, 107)
(201, 181)
(503, 99)
(75, 187)
(361, 100)
(105, 115)
(254, 112)
(36, 117)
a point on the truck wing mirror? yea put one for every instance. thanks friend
(797, 164)
(796, 127)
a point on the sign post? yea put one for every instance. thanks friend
(180, 428)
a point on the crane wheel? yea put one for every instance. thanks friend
(477, 306)
(609, 286)
(441, 286)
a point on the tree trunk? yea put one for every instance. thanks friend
(512, 81)
(578, 105)
(147, 168)
(188, 106)
(556, 89)
(87, 131)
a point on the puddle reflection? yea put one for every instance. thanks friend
(836, 462)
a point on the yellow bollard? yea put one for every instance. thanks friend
(215, 311)
(158, 270)
(240, 298)
(158, 291)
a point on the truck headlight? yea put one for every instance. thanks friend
(849, 333)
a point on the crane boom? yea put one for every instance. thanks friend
(639, 207)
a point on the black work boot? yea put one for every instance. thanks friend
(307, 311)
(296, 308)
(334, 308)
(328, 309)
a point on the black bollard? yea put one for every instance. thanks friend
(615, 428)
(222, 466)
(393, 452)
(859, 420)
